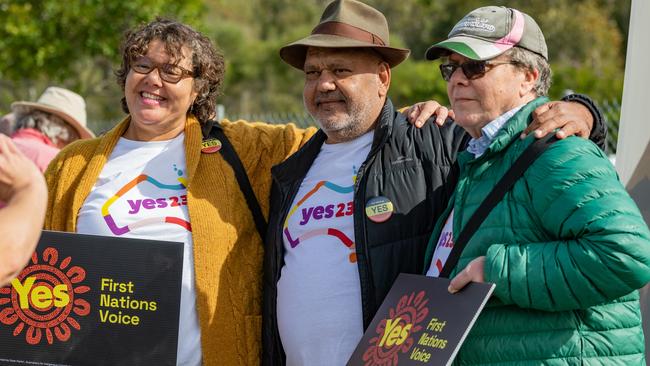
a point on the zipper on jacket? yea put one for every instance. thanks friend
(367, 296)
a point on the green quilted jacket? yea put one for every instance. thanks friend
(567, 249)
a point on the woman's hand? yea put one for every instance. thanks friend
(17, 172)
(472, 273)
(22, 188)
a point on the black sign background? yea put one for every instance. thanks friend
(458, 310)
(155, 269)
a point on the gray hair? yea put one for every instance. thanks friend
(7, 123)
(531, 60)
(53, 127)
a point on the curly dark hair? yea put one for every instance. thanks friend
(207, 63)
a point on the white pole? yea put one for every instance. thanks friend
(633, 149)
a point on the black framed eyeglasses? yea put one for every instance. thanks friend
(471, 69)
(168, 72)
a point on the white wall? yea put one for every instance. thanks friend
(633, 151)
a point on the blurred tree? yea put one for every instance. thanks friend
(74, 44)
(585, 51)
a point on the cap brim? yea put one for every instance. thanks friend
(294, 54)
(472, 48)
(83, 131)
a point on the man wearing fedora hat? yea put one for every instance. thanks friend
(43, 127)
(356, 204)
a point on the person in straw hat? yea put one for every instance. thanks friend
(43, 127)
(356, 204)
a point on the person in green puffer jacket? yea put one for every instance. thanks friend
(566, 247)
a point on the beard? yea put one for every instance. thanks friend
(352, 123)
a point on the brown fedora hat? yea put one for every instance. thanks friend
(346, 24)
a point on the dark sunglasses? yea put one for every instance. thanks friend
(168, 72)
(471, 69)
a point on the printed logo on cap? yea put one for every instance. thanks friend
(474, 23)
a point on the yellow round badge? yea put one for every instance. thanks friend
(379, 209)
(210, 146)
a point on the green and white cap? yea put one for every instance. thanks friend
(487, 32)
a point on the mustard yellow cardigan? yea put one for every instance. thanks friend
(228, 251)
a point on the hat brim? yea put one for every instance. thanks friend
(472, 48)
(295, 53)
(82, 130)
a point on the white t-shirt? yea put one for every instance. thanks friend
(443, 248)
(142, 187)
(319, 293)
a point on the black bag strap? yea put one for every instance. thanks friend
(504, 185)
(230, 155)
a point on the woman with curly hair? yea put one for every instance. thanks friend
(171, 75)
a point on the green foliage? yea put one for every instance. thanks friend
(76, 44)
(415, 81)
(47, 36)
(586, 51)
(599, 85)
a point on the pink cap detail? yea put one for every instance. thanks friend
(515, 34)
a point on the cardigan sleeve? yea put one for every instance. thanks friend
(52, 178)
(65, 176)
(598, 245)
(263, 145)
(260, 146)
